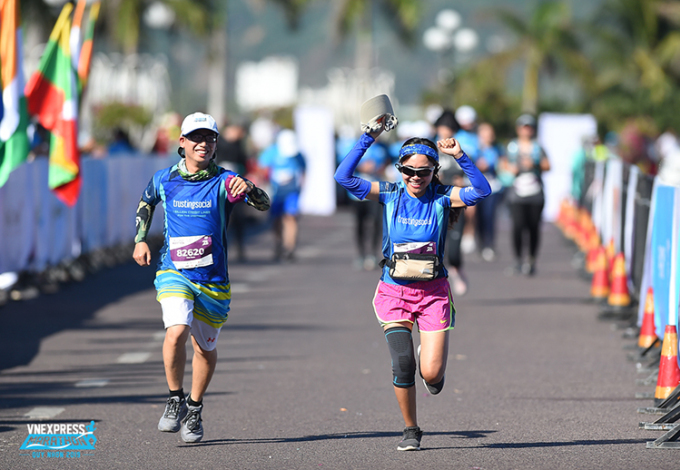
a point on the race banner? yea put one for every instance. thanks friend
(662, 256)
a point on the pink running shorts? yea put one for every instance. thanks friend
(428, 303)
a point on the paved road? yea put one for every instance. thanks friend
(303, 379)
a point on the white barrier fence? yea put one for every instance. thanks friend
(37, 230)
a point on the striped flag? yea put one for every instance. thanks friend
(13, 114)
(86, 48)
(74, 38)
(52, 94)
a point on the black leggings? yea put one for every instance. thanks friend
(368, 234)
(454, 237)
(526, 217)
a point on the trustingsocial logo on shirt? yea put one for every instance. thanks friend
(414, 222)
(192, 204)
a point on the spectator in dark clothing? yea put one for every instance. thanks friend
(231, 155)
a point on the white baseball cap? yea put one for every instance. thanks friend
(287, 144)
(197, 121)
(466, 115)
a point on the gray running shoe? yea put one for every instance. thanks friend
(175, 410)
(411, 439)
(192, 427)
(436, 388)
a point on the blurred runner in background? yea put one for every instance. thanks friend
(526, 160)
(231, 155)
(286, 167)
(489, 153)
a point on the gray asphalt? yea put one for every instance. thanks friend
(303, 381)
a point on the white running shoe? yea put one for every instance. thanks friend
(468, 244)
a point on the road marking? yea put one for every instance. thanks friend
(133, 358)
(159, 335)
(44, 412)
(310, 252)
(239, 288)
(91, 383)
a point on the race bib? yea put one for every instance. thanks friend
(527, 184)
(191, 252)
(423, 248)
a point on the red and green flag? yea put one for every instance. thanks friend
(86, 48)
(74, 37)
(13, 114)
(52, 94)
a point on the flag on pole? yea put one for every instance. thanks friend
(13, 113)
(53, 99)
(74, 38)
(86, 48)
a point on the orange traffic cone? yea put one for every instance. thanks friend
(571, 227)
(593, 249)
(591, 260)
(647, 330)
(618, 295)
(560, 222)
(610, 251)
(581, 237)
(599, 287)
(669, 373)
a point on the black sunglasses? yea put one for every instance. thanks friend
(197, 137)
(410, 171)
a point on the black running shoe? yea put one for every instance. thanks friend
(411, 439)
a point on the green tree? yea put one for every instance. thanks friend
(637, 60)
(123, 20)
(205, 19)
(545, 41)
(359, 15)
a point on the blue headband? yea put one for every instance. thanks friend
(420, 149)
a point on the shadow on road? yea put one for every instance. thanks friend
(26, 324)
(335, 436)
(532, 301)
(594, 442)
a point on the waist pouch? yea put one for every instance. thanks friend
(412, 266)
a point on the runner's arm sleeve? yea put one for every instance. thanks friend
(145, 209)
(143, 220)
(471, 195)
(344, 175)
(257, 198)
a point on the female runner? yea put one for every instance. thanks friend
(413, 287)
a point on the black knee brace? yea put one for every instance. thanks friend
(400, 343)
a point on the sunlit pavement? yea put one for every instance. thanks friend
(534, 380)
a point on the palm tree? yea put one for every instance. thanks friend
(640, 47)
(403, 15)
(544, 40)
(636, 62)
(206, 19)
(123, 20)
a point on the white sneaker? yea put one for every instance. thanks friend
(370, 263)
(458, 284)
(488, 254)
(468, 244)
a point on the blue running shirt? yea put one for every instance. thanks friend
(407, 219)
(286, 172)
(195, 224)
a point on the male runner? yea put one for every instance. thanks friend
(192, 281)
